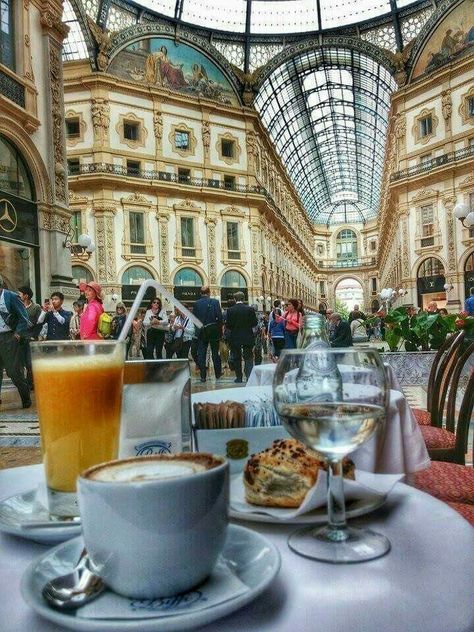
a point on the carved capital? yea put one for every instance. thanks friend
(104, 207)
(51, 23)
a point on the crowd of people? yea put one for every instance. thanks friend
(235, 338)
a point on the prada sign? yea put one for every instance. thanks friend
(18, 219)
(187, 293)
(129, 293)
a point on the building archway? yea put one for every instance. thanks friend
(233, 281)
(430, 283)
(349, 291)
(19, 234)
(131, 280)
(468, 274)
(187, 285)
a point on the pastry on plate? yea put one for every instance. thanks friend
(282, 475)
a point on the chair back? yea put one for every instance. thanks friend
(442, 381)
(459, 421)
(440, 354)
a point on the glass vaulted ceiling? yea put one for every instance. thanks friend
(273, 16)
(326, 111)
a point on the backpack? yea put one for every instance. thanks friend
(104, 327)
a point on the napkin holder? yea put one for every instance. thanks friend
(156, 408)
(237, 444)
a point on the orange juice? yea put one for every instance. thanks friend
(79, 400)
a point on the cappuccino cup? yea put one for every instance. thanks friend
(154, 526)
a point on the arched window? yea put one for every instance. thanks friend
(80, 274)
(188, 277)
(232, 278)
(135, 275)
(14, 173)
(430, 267)
(346, 245)
(469, 265)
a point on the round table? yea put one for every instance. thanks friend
(262, 375)
(423, 584)
(398, 449)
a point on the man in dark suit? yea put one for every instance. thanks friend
(13, 323)
(241, 319)
(341, 336)
(209, 312)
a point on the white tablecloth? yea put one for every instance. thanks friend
(398, 448)
(262, 375)
(423, 585)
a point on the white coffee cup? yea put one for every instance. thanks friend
(154, 526)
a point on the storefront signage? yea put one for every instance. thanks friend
(186, 293)
(428, 285)
(228, 292)
(18, 219)
(129, 293)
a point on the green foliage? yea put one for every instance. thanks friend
(342, 309)
(421, 332)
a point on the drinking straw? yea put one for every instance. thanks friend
(167, 295)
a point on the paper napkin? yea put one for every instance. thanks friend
(367, 485)
(221, 586)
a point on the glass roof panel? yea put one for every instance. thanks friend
(74, 46)
(272, 16)
(331, 133)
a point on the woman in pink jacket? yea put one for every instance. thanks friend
(92, 311)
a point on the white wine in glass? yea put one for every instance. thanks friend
(333, 418)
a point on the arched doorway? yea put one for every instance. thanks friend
(81, 274)
(232, 282)
(187, 285)
(430, 283)
(132, 278)
(349, 292)
(19, 238)
(469, 274)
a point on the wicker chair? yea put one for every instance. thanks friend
(439, 376)
(451, 482)
(448, 440)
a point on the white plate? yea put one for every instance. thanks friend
(253, 559)
(21, 508)
(354, 508)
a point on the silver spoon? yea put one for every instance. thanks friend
(74, 589)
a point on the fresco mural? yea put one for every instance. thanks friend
(179, 67)
(453, 37)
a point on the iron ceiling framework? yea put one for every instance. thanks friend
(325, 109)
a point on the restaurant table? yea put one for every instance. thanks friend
(262, 375)
(424, 584)
(398, 449)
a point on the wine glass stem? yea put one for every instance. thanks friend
(337, 526)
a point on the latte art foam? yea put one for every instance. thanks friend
(136, 471)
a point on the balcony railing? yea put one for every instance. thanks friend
(12, 89)
(428, 165)
(163, 176)
(347, 263)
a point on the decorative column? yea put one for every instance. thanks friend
(163, 217)
(254, 227)
(104, 213)
(454, 296)
(447, 108)
(54, 218)
(212, 250)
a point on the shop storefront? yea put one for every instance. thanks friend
(430, 283)
(232, 282)
(19, 239)
(132, 279)
(468, 275)
(187, 286)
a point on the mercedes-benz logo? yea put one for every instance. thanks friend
(8, 216)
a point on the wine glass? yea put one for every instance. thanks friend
(333, 418)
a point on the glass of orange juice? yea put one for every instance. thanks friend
(78, 387)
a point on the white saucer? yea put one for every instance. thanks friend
(21, 508)
(252, 558)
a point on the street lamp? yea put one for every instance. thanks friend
(84, 244)
(463, 213)
(448, 287)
